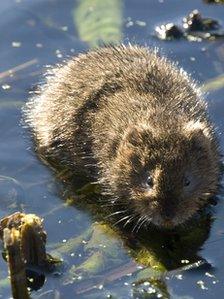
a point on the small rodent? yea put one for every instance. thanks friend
(137, 124)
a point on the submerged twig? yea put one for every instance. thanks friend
(18, 68)
(99, 21)
(213, 84)
(111, 276)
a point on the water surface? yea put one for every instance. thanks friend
(34, 34)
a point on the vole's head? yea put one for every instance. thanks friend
(166, 176)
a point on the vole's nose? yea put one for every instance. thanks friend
(168, 209)
(168, 212)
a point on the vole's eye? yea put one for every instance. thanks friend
(187, 182)
(149, 181)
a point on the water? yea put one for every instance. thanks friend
(36, 33)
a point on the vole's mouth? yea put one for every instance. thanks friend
(168, 223)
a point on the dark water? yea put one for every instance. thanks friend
(36, 33)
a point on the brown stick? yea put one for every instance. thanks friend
(16, 263)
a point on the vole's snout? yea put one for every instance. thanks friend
(168, 214)
(167, 210)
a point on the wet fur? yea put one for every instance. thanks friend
(115, 112)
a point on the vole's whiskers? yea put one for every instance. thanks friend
(123, 219)
(145, 220)
(129, 220)
(116, 213)
(108, 203)
(139, 221)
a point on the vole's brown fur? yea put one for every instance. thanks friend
(122, 114)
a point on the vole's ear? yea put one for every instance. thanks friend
(199, 134)
(137, 135)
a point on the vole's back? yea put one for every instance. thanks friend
(82, 111)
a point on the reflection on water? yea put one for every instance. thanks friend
(100, 261)
(161, 254)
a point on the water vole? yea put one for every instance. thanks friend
(137, 124)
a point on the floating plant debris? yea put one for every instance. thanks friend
(194, 28)
(169, 31)
(195, 22)
(214, 1)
